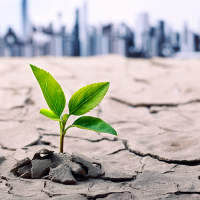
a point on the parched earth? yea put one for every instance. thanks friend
(153, 104)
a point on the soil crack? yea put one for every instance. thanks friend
(115, 152)
(7, 184)
(102, 195)
(149, 105)
(50, 194)
(75, 137)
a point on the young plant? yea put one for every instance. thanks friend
(81, 102)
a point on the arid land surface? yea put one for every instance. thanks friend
(153, 104)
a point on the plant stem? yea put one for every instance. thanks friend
(61, 142)
(62, 135)
(62, 131)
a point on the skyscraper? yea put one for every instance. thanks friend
(141, 32)
(106, 40)
(99, 41)
(26, 27)
(161, 37)
(75, 42)
(25, 20)
(187, 41)
(122, 34)
(153, 51)
(83, 31)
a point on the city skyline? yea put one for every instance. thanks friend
(145, 40)
(175, 12)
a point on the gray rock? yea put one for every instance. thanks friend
(25, 172)
(26, 168)
(76, 168)
(62, 174)
(64, 158)
(42, 151)
(19, 164)
(40, 167)
(92, 171)
(26, 175)
(58, 158)
(86, 158)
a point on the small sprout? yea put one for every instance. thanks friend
(81, 102)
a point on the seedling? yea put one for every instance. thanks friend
(81, 102)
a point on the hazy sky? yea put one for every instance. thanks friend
(41, 12)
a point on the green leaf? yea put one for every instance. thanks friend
(86, 98)
(94, 124)
(51, 89)
(50, 114)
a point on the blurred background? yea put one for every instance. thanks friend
(131, 28)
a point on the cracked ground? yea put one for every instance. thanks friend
(153, 104)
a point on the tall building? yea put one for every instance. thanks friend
(196, 42)
(59, 37)
(99, 40)
(161, 37)
(141, 32)
(122, 34)
(26, 27)
(153, 51)
(107, 42)
(130, 45)
(83, 34)
(175, 41)
(187, 39)
(76, 42)
(92, 35)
